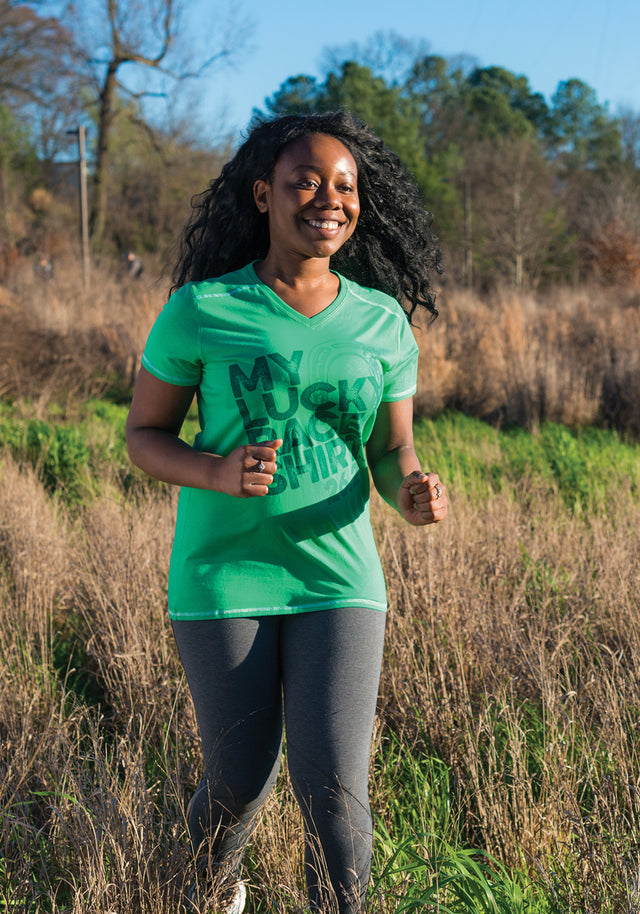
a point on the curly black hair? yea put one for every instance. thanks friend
(392, 249)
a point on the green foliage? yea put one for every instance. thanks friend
(59, 454)
(12, 899)
(581, 466)
(297, 95)
(432, 86)
(454, 129)
(449, 881)
(71, 452)
(434, 112)
(417, 796)
(16, 147)
(580, 130)
(500, 103)
(421, 862)
(384, 108)
(76, 454)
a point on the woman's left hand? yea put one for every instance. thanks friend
(422, 499)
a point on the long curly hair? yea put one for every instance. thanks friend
(392, 249)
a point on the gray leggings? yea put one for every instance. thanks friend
(322, 669)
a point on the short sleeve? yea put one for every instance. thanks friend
(172, 351)
(400, 378)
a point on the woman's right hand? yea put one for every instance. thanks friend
(248, 471)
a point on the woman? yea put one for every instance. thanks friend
(304, 380)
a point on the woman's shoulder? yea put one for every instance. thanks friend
(374, 297)
(228, 284)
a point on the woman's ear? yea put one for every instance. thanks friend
(261, 194)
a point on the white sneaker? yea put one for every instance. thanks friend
(236, 906)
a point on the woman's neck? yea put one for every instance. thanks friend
(307, 286)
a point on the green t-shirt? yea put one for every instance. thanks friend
(264, 371)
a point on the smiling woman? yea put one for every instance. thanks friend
(304, 379)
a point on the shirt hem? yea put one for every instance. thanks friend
(250, 612)
(163, 376)
(402, 395)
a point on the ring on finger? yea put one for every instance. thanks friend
(438, 492)
(259, 467)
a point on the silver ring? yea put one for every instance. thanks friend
(438, 492)
(259, 467)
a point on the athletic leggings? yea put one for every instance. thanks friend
(322, 670)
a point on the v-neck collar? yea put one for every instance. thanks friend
(291, 313)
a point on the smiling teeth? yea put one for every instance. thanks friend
(324, 224)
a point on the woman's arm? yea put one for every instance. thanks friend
(153, 426)
(419, 497)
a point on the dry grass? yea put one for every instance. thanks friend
(60, 341)
(568, 356)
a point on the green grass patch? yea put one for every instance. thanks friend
(582, 466)
(76, 452)
(421, 863)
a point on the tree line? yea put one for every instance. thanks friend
(523, 190)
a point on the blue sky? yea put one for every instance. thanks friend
(547, 41)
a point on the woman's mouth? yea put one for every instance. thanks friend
(327, 225)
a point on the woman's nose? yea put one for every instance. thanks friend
(326, 195)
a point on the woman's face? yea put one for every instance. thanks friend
(311, 197)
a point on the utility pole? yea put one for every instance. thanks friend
(84, 209)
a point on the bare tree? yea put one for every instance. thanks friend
(124, 39)
(38, 74)
(518, 224)
(386, 54)
(24, 35)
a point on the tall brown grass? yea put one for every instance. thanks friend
(93, 794)
(565, 355)
(63, 341)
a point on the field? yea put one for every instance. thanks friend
(506, 746)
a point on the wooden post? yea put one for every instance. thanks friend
(84, 209)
